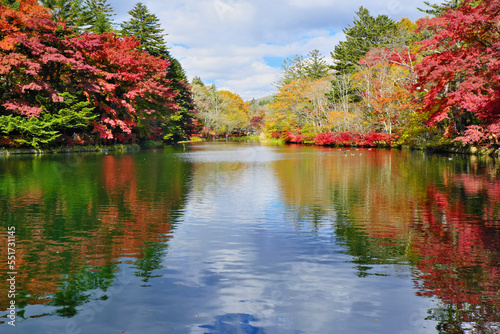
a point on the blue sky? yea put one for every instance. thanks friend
(240, 45)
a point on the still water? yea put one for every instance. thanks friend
(245, 238)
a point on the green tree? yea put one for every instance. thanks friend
(64, 10)
(28, 131)
(72, 114)
(145, 27)
(11, 3)
(96, 16)
(439, 9)
(197, 81)
(175, 71)
(313, 67)
(292, 69)
(367, 32)
(181, 125)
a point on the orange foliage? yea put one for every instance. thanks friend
(384, 79)
(13, 23)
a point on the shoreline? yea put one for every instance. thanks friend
(4, 152)
(72, 149)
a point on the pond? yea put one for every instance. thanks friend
(247, 238)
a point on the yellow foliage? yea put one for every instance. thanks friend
(340, 121)
(300, 102)
(406, 25)
(235, 114)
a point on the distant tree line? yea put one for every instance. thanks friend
(430, 83)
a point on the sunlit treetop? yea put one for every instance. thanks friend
(459, 77)
(145, 27)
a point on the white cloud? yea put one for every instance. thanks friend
(227, 41)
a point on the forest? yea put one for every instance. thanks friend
(70, 75)
(433, 83)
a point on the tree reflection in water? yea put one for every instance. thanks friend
(80, 219)
(439, 214)
(75, 224)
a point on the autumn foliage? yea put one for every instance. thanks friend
(434, 82)
(56, 83)
(460, 76)
(430, 84)
(342, 139)
(384, 79)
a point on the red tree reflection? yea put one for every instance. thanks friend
(459, 248)
(106, 213)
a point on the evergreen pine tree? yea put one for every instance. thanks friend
(313, 67)
(316, 66)
(33, 131)
(367, 32)
(175, 71)
(145, 27)
(64, 10)
(197, 81)
(96, 16)
(181, 124)
(73, 114)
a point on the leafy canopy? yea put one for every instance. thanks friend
(460, 74)
(14, 4)
(55, 83)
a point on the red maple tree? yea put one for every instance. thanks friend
(460, 76)
(41, 62)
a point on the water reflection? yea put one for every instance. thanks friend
(236, 238)
(233, 323)
(440, 214)
(77, 217)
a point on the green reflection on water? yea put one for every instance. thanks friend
(79, 217)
